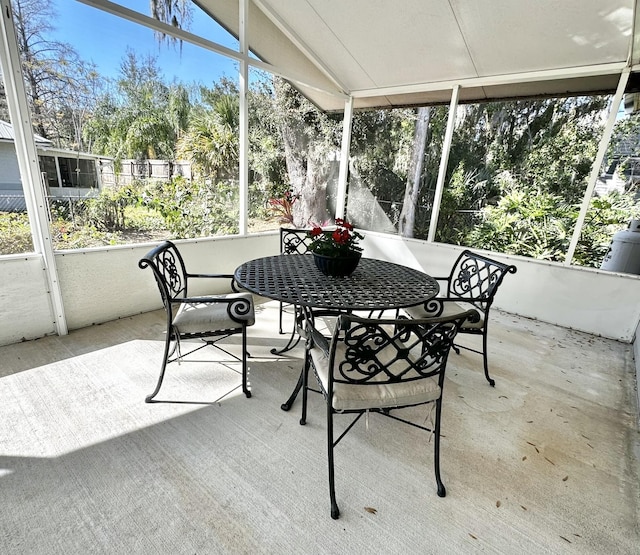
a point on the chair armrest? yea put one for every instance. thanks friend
(230, 277)
(239, 306)
(435, 307)
(470, 315)
(462, 299)
(318, 340)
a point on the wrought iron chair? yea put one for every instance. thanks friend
(292, 241)
(380, 365)
(208, 318)
(472, 284)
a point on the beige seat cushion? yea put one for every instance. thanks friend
(450, 309)
(372, 395)
(202, 317)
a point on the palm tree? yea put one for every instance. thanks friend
(211, 142)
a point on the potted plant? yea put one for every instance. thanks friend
(335, 249)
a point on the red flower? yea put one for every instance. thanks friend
(343, 223)
(340, 237)
(340, 241)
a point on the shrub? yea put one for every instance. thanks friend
(15, 233)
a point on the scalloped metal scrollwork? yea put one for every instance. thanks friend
(374, 354)
(294, 243)
(169, 270)
(475, 278)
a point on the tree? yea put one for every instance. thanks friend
(544, 145)
(61, 87)
(310, 137)
(211, 140)
(420, 139)
(143, 118)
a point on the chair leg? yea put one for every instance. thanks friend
(167, 345)
(442, 492)
(305, 387)
(491, 381)
(245, 389)
(280, 319)
(335, 512)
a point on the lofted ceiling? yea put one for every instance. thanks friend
(402, 52)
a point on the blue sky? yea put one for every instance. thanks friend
(103, 39)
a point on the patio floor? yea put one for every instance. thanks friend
(545, 462)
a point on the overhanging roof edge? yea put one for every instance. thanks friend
(515, 78)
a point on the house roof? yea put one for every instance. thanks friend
(389, 53)
(7, 135)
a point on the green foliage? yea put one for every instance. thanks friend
(141, 218)
(195, 209)
(15, 233)
(67, 235)
(381, 148)
(516, 174)
(210, 140)
(538, 224)
(526, 221)
(267, 160)
(606, 215)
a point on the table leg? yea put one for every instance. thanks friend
(287, 405)
(294, 339)
(303, 316)
(296, 332)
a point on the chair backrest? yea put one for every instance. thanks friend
(372, 351)
(475, 276)
(294, 241)
(169, 271)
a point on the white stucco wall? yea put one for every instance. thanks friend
(25, 310)
(103, 284)
(591, 300)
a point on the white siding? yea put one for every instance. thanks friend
(9, 170)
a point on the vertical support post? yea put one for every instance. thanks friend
(27, 155)
(597, 164)
(444, 161)
(243, 75)
(341, 196)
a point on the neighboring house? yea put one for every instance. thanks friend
(65, 173)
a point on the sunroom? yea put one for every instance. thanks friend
(346, 57)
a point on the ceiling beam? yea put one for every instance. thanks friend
(180, 34)
(514, 78)
(299, 43)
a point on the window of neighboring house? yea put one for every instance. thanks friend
(48, 169)
(78, 172)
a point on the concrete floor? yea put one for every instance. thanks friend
(545, 462)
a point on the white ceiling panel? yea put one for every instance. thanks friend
(399, 52)
(390, 44)
(513, 37)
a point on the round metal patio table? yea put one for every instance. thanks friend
(376, 285)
